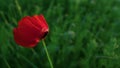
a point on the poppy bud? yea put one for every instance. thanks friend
(30, 30)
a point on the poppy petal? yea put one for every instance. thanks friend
(43, 23)
(30, 30)
(21, 41)
(27, 32)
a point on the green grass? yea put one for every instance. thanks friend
(83, 34)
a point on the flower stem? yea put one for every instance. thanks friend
(48, 56)
(6, 63)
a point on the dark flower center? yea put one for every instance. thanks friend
(45, 33)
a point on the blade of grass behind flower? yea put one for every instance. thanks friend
(28, 61)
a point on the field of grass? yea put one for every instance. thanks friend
(83, 34)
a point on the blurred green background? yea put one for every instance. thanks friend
(83, 34)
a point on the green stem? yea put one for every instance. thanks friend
(6, 63)
(48, 56)
(33, 51)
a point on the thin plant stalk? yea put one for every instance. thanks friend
(48, 56)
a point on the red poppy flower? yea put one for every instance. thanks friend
(30, 30)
